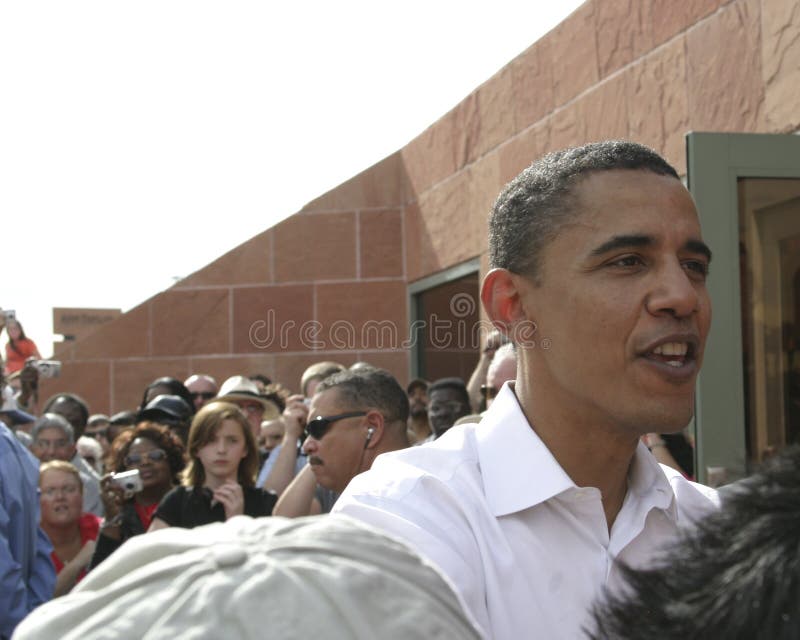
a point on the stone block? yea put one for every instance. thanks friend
(311, 246)
(532, 84)
(249, 263)
(726, 92)
(780, 55)
(430, 157)
(189, 322)
(222, 368)
(574, 50)
(384, 184)
(604, 110)
(450, 223)
(90, 380)
(495, 100)
(272, 318)
(567, 127)
(361, 315)
(624, 32)
(421, 257)
(466, 130)
(381, 244)
(125, 337)
(670, 18)
(395, 362)
(289, 367)
(658, 101)
(131, 377)
(519, 152)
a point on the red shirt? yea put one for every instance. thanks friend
(15, 360)
(145, 513)
(89, 526)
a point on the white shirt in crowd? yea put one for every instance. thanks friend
(527, 550)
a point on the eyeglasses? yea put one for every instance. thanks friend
(319, 426)
(488, 392)
(66, 490)
(252, 408)
(100, 433)
(135, 459)
(54, 444)
(205, 395)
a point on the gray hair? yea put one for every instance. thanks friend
(53, 421)
(370, 389)
(533, 207)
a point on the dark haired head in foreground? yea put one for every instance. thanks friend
(737, 576)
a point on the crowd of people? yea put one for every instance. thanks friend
(519, 502)
(195, 452)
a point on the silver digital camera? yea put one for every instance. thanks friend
(47, 368)
(128, 481)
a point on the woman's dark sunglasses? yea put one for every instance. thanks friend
(319, 426)
(156, 455)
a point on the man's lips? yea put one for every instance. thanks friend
(314, 461)
(673, 356)
(675, 350)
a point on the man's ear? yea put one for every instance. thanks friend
(501, 299)
(375, 422)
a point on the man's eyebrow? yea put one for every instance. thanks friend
(623, 242)
(698, 246)
(638, 241)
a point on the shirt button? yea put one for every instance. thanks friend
(228, 556)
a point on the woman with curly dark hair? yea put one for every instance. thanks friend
(158, 455)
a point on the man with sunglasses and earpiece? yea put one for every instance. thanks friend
(354, 417)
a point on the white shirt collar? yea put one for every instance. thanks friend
(519, 472)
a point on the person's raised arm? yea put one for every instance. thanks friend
(294, 419)
(298, 499)
(478, 378)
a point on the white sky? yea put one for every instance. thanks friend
(141, 140)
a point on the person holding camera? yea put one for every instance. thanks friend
(19, 347)
(145, 462)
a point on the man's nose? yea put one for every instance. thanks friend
(674, 292)
(309, 445)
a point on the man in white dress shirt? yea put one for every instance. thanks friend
(598, 273)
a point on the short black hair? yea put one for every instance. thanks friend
(737, 575)
(456, 384)
(79, 402)
(176, 388)
(531, 209)
(370, 389)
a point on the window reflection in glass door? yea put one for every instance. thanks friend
(769, 235)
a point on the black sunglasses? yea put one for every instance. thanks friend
(205, 395)
(319, 426)
(156, 455)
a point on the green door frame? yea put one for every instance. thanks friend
(715, 162)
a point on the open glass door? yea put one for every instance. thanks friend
(747, 189)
